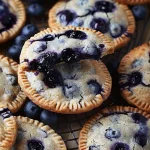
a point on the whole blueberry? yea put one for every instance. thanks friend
(14, 52)
(139, 12)
(35, 9)
(31, 110)
(20, 40)
(48, 118)
(29, 30)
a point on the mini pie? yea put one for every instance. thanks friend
(116, 128)
(134, 77)
(12, 18)
(114, 20)
(11, 94)
(34, 135)
(55, 75)
(8, 129)
(133, 2)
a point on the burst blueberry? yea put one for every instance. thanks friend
(105, 6)
(110, 134)
(76, 34)
(138, 118)
(35, 144)
(70, 56)
(120, 146)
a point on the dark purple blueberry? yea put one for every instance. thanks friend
(35, 9)
(66, 16)
(120, 146)
(100, 24)
(33, 65)
(95, 87)
(35, 144)
(135, 79)
(71, 91)
(94, 148)
(8, 21)
(14, 52)
(40, 47)
(48, 118)
(138, 118)
(110, 134)
(46, 61)
(53, 78)
(70, 56)
(141, 136)
(29, 30)
(116, 30)
(3, 9)
(105, 6)
(31, 110)
(20, 40)
(140, 12)
(48, 37)
(76, 34)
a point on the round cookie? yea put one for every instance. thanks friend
(34, 135)
(72, 87)
(133, 2)
(11, 94)
(134, 77)
(114, 20)
(8, 129)
(116, 128)
(12, 18)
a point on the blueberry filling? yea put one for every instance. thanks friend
(138, 118)
(134, 79)
(53, 78)
(94, 148)
(110, 134)
(70, 56)
(120, 146)
(39, 47)
(100, 24)
(35, 145)
(141, 136)
(76, 34)
(7, 19)
(105, 6)
(66, 16)
(95, 87)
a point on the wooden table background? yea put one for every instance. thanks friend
(69, 126)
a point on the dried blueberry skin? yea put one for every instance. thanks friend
(35, 144)
(94, 148)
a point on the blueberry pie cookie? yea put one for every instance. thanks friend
(107, 16)
(11, 94)
(116, 128)
(134, 77)
(52, 75)
(133, 2)
(12, 18)
(34, 135)
(8, 129)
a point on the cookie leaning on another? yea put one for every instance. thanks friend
(76, 86)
